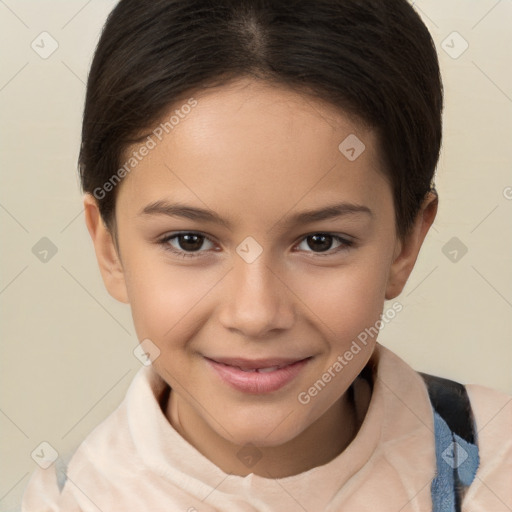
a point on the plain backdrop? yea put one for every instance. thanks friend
(67, 346)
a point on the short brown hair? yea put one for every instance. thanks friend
(374, 59)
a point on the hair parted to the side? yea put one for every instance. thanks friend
(374, 59)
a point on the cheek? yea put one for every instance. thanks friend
(168, 300)
(345, 300)
(160, 295)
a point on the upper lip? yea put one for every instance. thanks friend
(253, 364)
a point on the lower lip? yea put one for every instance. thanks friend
(256, 382)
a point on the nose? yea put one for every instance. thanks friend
(257, 301)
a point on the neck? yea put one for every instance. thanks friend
(320, 443)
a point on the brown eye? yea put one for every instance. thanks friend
(319, 243)
(190, 242)
(185, 244)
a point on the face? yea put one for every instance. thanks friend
(266, 283)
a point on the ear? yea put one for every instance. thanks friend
(106, 252)
(407, 250)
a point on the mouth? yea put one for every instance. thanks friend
(257, 375)
(267, 364)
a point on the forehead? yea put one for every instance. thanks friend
(255, 148)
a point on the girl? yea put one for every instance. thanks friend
(258, 179)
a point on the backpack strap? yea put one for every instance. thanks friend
(457, 456)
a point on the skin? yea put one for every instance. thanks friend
(256, 154)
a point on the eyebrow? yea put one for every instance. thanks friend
(163, 207)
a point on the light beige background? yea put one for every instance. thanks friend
(66, 345)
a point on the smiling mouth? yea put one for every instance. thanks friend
(258, 376)
(259, 365)
(267, 369)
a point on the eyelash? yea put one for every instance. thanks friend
(345, 244)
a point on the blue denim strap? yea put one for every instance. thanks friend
(457, 457)
(457, 462)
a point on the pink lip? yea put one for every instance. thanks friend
(255, 382)
(256, 363)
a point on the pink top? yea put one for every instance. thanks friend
(135, 460)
